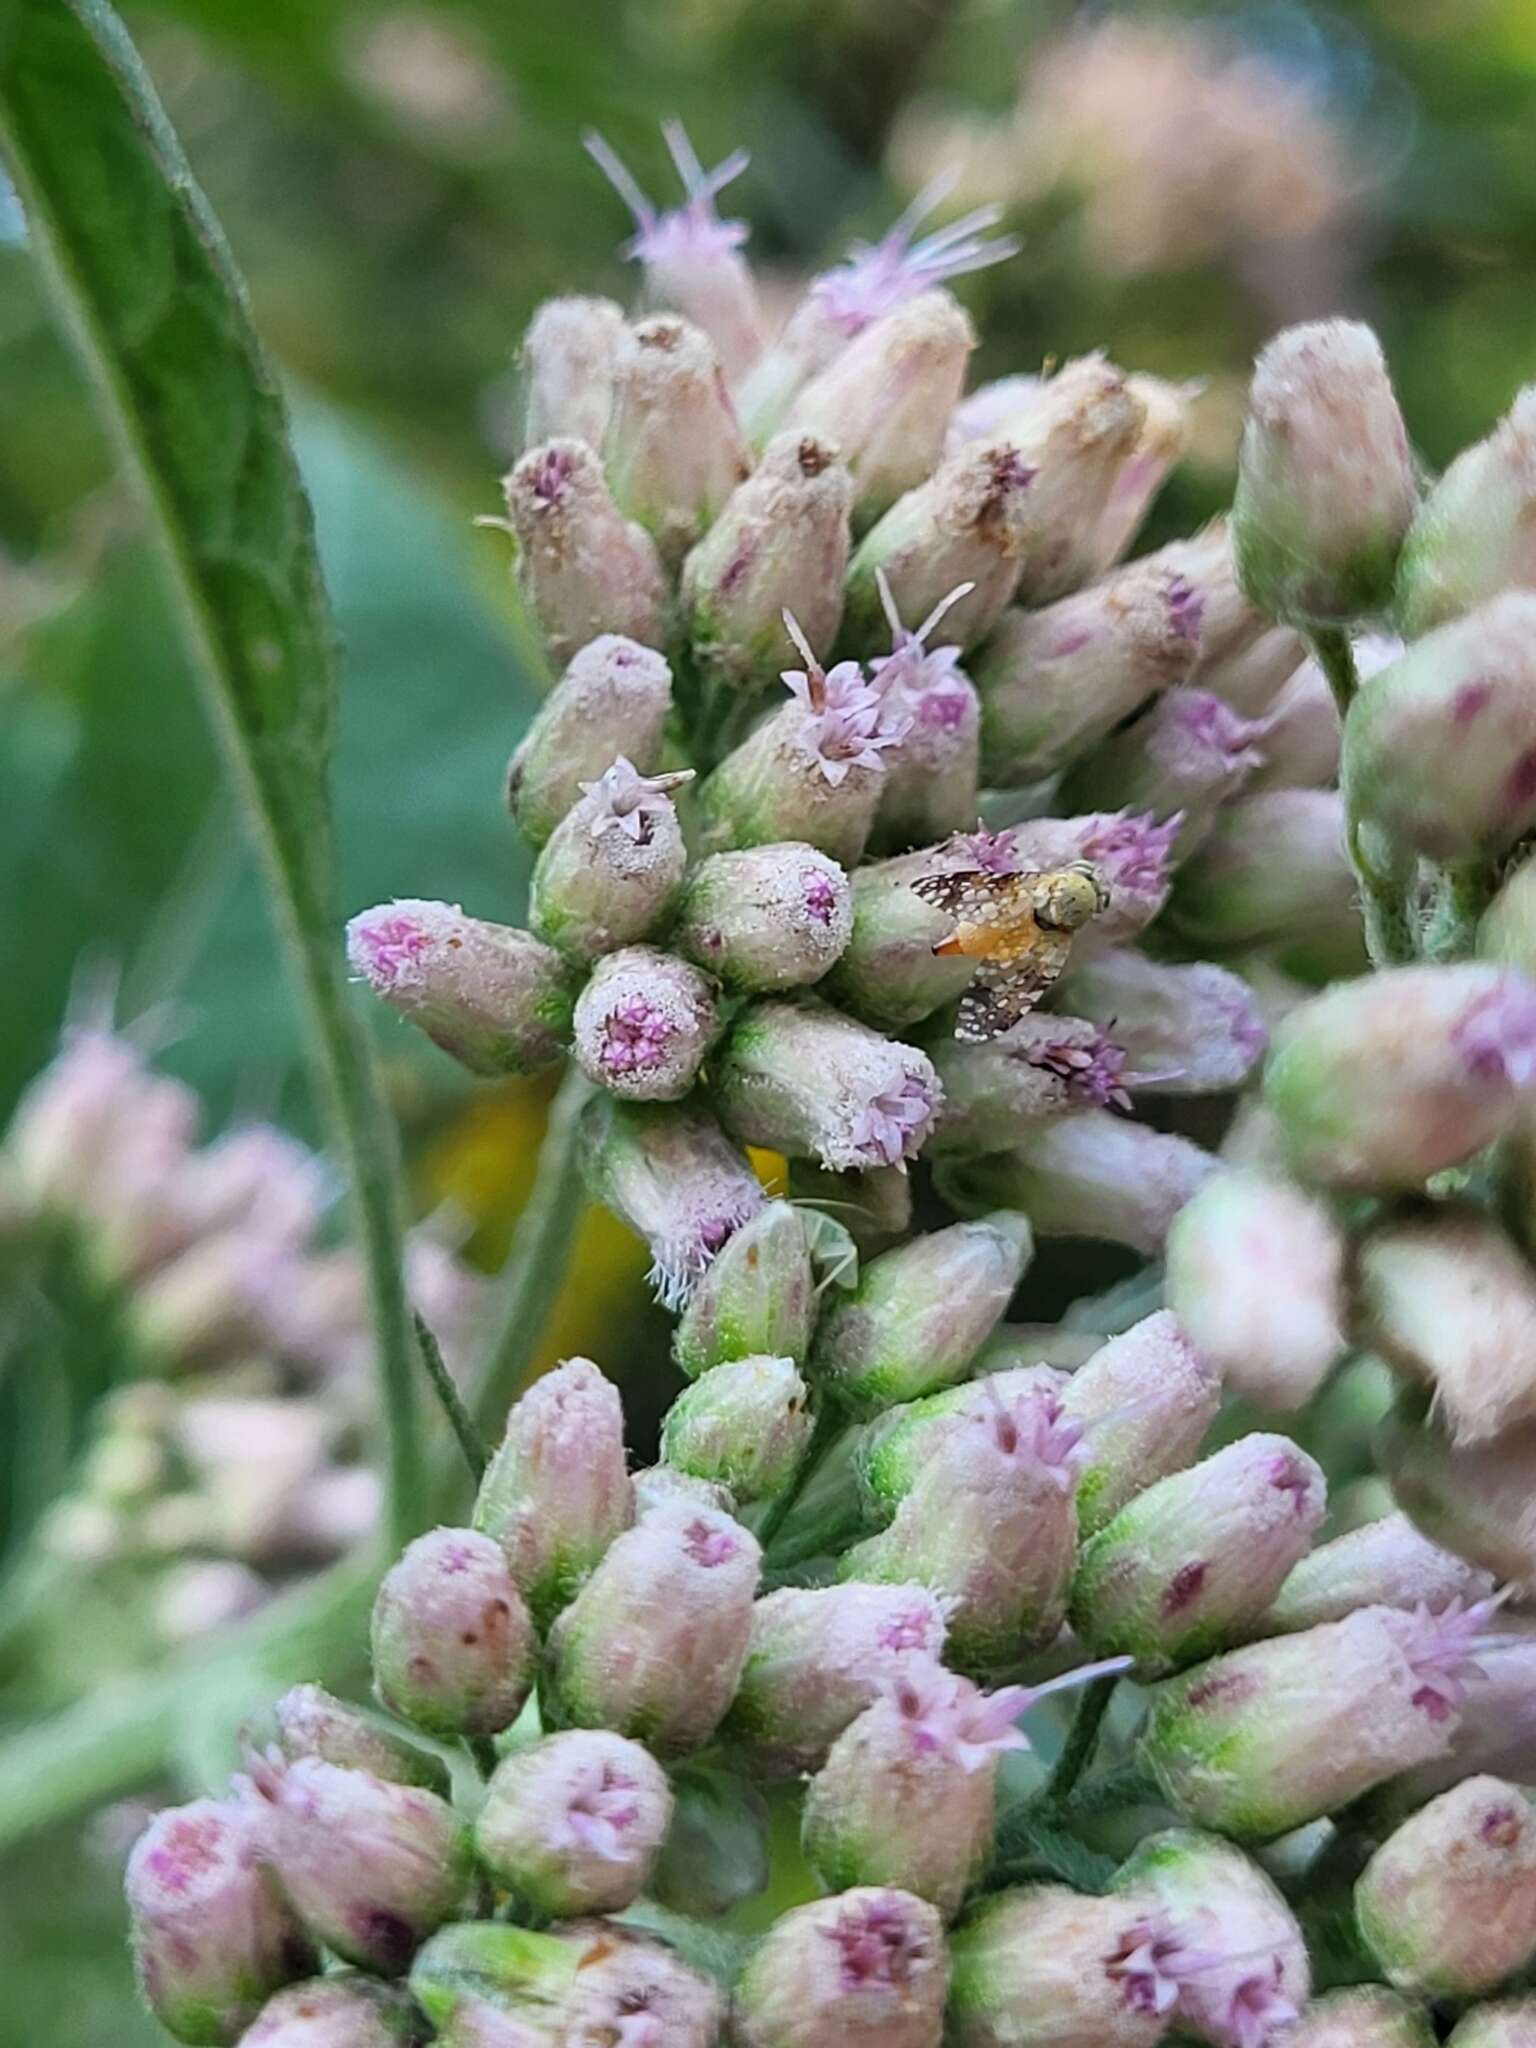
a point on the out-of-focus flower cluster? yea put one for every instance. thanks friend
(230, 1458)
(938, 914)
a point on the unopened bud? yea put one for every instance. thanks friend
(931, 773)
(1472, 536)
(819, 1656)
(1145, 1400)
(891, 1450)
(1192, 1029)
(573, 1824)
(671, 1174)
(494, 997)
(804, 1081)
(1326, 485)
(485, 1984)
(613, 698)
(1385, 1563)
(1366, 2016)
(557, 1491)
(1092, 1174)
(866, 1969)
(1511, 2023)
(690, 257)
(1055, 682)
(663, 1486)
(1160, 441)
(758, 1298)
(211, 1938)
(1233, 631)
(582, 567)
(920, 1313)
(889, 973)
(1478, 1500)
(613, 867)
(673, 451)
(371, 1868)
(1184, 1568)
(1037, 1069)
(886, 399)
(1447, 1905)
(1037, 1964)
(644, 1024)
(453, 1648)
(780, 540)
(812, 771)
(716, 1854)
(1264, 1739)
(1275, 867)
(1256, 1276)
(746, 1424)
(1383, 1081)
(1440, 751)
(636, 1992)
(766, 918)
(341, 2011)
(312, 1722)
(654, 1643)
(568, 356)
(1184, 758)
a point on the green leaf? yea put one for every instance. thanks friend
(139, 269)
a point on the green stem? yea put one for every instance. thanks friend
(1464, 893)
(483, 1750)
(1387, 905)
(1336, 658)
(471, 1443)
(536, 1264)
(1093, 1704)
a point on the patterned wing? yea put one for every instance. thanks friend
(969, 895)
(1006, 990)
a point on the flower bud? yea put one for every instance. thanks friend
(644, 1024)
(931, 773)
(758, 1299)
(340, 2011)
(485, 1984)
(766, 918)
(673, 1176)
(1037, 1069)
(819, 1656)
(211, 1938)
(691, 258)
(1451, 1302)
(1243, 658)
(866, 1969)
(1385, 1563)
(312, 1722)
(886, 399)
(1275, 867)
(655, 1641)
(557, 1491)
(1037, 1965)
(1509, 2024)
(1160, 441)
(1471, 537)
(1185, 1567)
(1383, 1081)
(496, 999)
(1326, 485)
(1182, 759)
(1265, 1739)
(1183, 1029)
(1256, 1276)
(890, 1451)
(614, 698)
(1478, 1500)
(567, 358)
(1145, 1400)
(745, 1424)
(635, 1992)
(581, 566)
(453, 1648)
(613, 867)
(370, 1867)
(889, 973)
(662, 1486)
(1220, 1937)
(920, 1313)
(802, 1080)
(780, 540)
(716, 1854)
(1367, 2016)
(1055, 682)
(990, 1525)
(906, 1796)
(573, 1824)
(1440, 754)
(1447, 1905)
(95, 1113)
(1091, 1174)
(813, 771)
(673, 451)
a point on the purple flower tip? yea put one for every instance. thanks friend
(995, 853)
(708, 1544)
(692, 232)
(1212, 725)
(1497, 1035)
(877, 277)
(1033, 1429)
(1133, 850)
(894, 1122)
(385, 945)
(550, 473)
(847, 724)
(624, 797)
(602, 1808)
(874, 1944)
(1186, 609)
(635, 1036)
(947, 1715)
(819, 896)
(1440, 1650)
(1094, 1074)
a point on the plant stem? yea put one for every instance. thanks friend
(483, 1750)
(536, 1264)
(1336, 658)
(471, 1443)
(1088, 1718)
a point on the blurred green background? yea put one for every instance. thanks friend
(402, 184)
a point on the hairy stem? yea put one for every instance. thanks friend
(1336, 658)
(470, 1441)
(1082, 1736)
